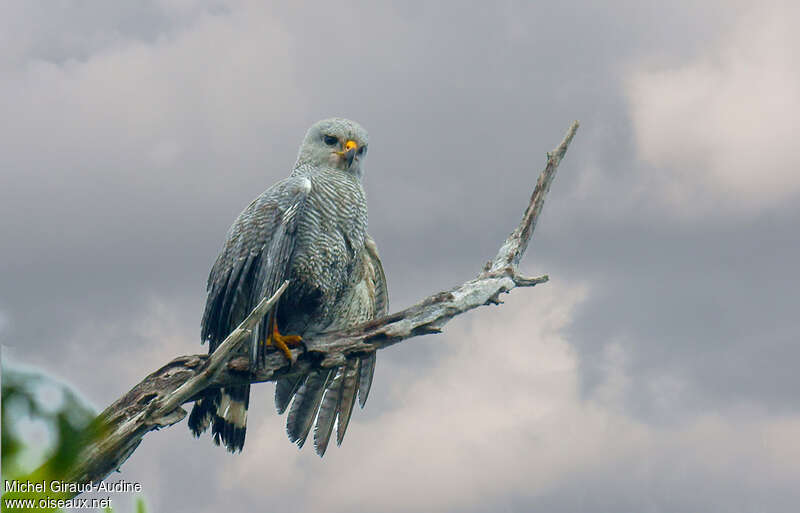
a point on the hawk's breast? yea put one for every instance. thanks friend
(329, 237)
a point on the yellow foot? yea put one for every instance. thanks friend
(283, 342)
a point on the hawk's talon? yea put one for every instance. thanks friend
(281, 342)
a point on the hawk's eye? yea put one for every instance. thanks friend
(330, 140)
(362, 150)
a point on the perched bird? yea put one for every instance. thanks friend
(310, 229)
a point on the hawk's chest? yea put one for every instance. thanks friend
(330, 233)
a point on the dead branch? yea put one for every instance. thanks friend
(156, 402)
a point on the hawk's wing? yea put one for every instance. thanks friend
(255, 259)
(329, 394)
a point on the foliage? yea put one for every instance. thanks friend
(44, 425)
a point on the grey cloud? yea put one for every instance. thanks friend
(735, 155)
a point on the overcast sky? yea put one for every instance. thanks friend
(655, 372)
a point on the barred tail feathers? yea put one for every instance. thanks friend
(230, 421)
(203, 412)
(225, 410)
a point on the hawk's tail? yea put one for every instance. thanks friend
(225, 410)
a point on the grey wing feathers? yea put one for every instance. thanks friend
(380, 307)
(366, 373)
(276, 256)
(333, 397)
(327, 412)
(259, 244)
(285, 388)
(378, 278)
(348, 396)
(305, 405)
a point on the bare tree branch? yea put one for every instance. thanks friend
(155, 402)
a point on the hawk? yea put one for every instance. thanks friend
(311, 229)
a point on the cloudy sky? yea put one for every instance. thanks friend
(655, 372)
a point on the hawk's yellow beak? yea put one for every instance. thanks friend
(349, 145)
(349, 152)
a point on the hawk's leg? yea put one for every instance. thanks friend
(282, 342)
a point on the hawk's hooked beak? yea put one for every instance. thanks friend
(349, 153)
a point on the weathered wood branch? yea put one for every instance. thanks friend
(156, 401)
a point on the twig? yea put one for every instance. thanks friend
(123, 424)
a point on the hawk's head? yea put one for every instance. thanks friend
(335, 142)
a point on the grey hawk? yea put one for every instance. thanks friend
(311, 229)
